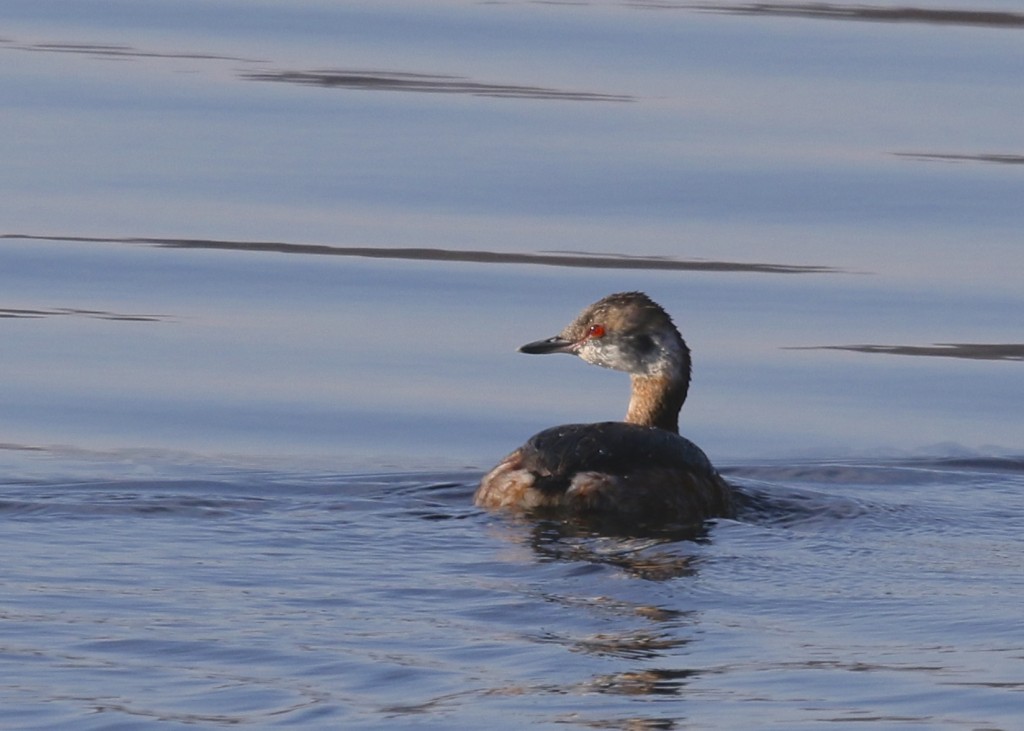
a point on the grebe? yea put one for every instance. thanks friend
(640, 469)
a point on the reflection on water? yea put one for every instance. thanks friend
(636, 644)
(972, 351)
(652, 554)
(653, 681)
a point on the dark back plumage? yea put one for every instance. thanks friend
(557, 454)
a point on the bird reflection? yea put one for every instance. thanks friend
(638, 644)
(655, 555)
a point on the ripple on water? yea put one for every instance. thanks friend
(388, 599)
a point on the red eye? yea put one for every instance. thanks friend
(596, 331)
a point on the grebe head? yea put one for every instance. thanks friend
(628, 332)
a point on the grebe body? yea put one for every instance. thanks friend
(640, 469)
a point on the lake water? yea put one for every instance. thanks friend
(263, 270)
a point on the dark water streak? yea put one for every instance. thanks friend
(116, 51)
(14, 313)
(873, 13)
(358, 79)
(429, 83)
(606, 261)
(992, 157)
(972, 351)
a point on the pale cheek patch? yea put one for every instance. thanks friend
(609, 355)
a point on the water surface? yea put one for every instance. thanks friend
(263, 270)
